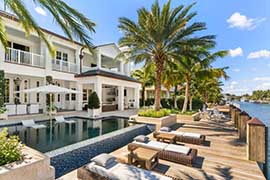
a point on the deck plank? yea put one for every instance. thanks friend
(223, 158)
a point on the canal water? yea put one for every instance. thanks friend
(262, 112)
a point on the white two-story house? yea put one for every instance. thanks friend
(27, 62)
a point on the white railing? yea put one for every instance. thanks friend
(64, 66)
(24, 57)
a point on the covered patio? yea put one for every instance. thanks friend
(115, 91)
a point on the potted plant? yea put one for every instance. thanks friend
(93, 105)
(53, 109)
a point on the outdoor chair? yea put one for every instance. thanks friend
(31, 124)
(61, 119)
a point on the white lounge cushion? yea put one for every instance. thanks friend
(178, 149)
(193, 135)
(153, 145)
(141, 138)
(120, 171)
(103, 159)
(177, 133)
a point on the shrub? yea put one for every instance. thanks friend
(164, 103)
(180, 102)
(10, 148)
(153, 113)
(93, 101)
(197, 103)
(3, 110)
(149, 102)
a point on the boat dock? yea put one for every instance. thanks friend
(222, 157)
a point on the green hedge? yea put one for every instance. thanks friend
(153, 113)
(168, 103)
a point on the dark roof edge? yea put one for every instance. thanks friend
(100, 72)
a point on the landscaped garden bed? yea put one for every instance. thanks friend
(21, 162)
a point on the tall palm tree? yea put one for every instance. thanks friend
(74, 24)
(158, 35)
(196, 64)
(146, 77)
(172, 78)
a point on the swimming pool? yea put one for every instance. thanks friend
(58, 135)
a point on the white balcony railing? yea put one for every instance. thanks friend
(24, 57)
(64, 66)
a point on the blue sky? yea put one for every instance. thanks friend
(241, 26)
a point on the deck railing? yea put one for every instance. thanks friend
(64, 66)
(23, 57)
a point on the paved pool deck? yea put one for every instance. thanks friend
(42, 117)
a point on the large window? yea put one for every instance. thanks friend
(6, 99)
(73, 96)
(25, 95)
(61, 56)
(38, 96)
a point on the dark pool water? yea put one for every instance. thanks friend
(57, 135)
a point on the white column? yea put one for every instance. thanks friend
(137, 97)
(43, 99)
(2, 57)
(98, 59)
(77, 60)
(79, 97)
(121, 98)
(98, 90)
(11, 90)
(122, 67)
(44, 51)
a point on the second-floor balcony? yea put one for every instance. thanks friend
(25, 58)
(64, 66)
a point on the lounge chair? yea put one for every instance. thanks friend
(117, 171)
(61, 119)
(31, 124)
(186, 137)
(170, 152)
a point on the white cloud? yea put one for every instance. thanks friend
(236, 70)
(261, 79)
(234, 83)
(243, 22)
(263, 86)
(259, 54)
(253, 69)
(236, 52)
(40, 11)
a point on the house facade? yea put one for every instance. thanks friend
(27, 62)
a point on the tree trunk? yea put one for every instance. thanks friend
(143, 96)
(174, 97)
(186, 96)
(159, 69)
(190, 102)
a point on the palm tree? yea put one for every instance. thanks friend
(172, 78)
(197, 64)
(158, 35)
(146, 77)
(74, 24)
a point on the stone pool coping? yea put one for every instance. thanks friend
(8, 123)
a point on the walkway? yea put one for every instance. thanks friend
(223, 156)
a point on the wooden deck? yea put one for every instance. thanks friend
(223, 156)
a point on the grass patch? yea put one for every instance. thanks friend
(154, 114)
